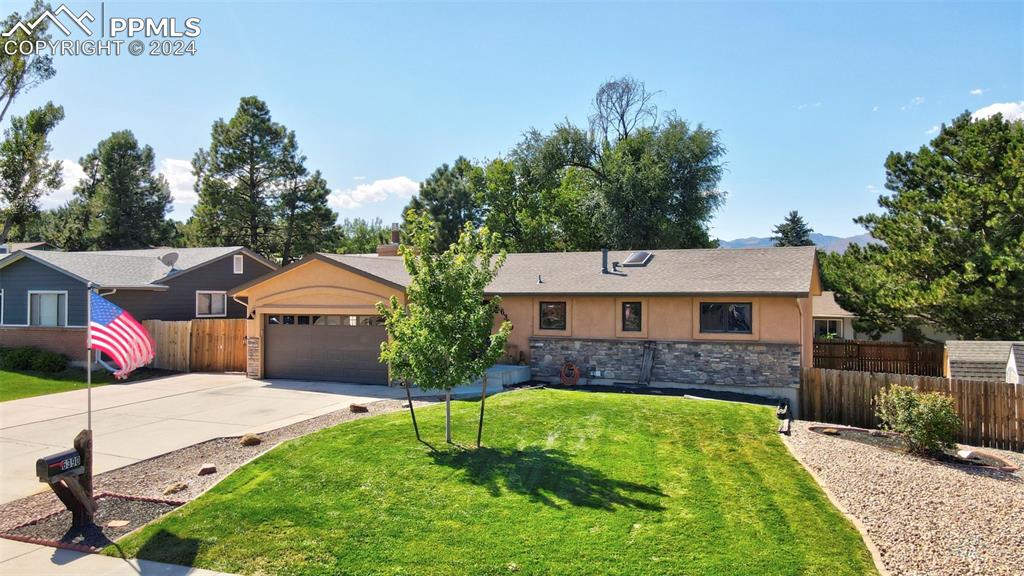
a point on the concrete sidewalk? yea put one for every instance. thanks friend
(139, 420)
(20, 559)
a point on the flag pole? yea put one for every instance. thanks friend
(88, 356)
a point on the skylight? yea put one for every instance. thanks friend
(640, 258)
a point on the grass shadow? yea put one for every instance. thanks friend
(544, 475)
(165, 547)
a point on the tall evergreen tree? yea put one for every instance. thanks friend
(793, 231)
(449, 196)
(307, 223)
(127, 200)
(358, 236)
(240, 176)
(952, 234)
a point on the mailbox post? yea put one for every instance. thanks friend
(69, 475)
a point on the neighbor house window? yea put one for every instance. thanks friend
(828, 328)
(48, 308)
(726, 317)
(239, 264)
(552, 316)
(632, 316)
(210, 304)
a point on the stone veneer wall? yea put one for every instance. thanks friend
(252, 358)
(693, 363)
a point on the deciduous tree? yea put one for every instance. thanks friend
(443, 336)
(26, 172)
(19, 72)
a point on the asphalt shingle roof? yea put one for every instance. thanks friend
(129, 268)
(826, 305)
(978, 359)
(782, 271)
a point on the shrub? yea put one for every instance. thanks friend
(33, 359)
(927, 420)
(45, 361)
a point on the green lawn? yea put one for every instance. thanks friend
(15, 385)
(568, 483)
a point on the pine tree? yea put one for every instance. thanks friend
(793, 231)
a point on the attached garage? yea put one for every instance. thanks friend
(317, 319)
(324, 347)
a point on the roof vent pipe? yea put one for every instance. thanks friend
(394, 233)
(604, 260)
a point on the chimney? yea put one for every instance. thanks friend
(392, 248)
(604, 260)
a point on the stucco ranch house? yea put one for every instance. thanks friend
(43, 293)
(736, 320)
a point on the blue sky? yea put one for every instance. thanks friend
(809, 98)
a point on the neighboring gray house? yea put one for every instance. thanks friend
(832, 319)
(986, 360)
(43, 293)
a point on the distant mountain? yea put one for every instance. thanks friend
(823, 241)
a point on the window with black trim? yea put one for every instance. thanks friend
(632, 316)
(726, 317)
(553, 316)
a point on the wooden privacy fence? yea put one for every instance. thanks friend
(889, 357)
(991, 413)
(201, 345)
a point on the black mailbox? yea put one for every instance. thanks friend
(54, 467)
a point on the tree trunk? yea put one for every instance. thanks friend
(412, 411)
(483, 398)
(6, 230)
(448, 415)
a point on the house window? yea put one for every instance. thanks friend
(828, 328)
(211, 304)
(239, 264)
(632, 316)
(726, 317)
(552, 316)
(48, 308)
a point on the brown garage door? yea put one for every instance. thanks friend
(334, 348)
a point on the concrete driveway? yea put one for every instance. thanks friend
(139, 420)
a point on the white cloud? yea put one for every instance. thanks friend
(376, 191)
(932, 130)
(914, 102)
(871, 189)
(72, 173)
(806, 106)
(977, 92)
(358, 178)
(1009, 110)
(181, 181)
(874, 108)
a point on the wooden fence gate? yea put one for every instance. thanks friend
(991, 413)
(201, 345)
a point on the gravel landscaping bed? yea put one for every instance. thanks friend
(923, 516)
(150, 478)
(115, 517)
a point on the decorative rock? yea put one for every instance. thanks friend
(830, 431)
(877, 433)
(117, 523)
(207, 469)
(966, 454)
(250, 440)
(175, 488)
(358, 408)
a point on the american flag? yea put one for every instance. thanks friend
(115, 333)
